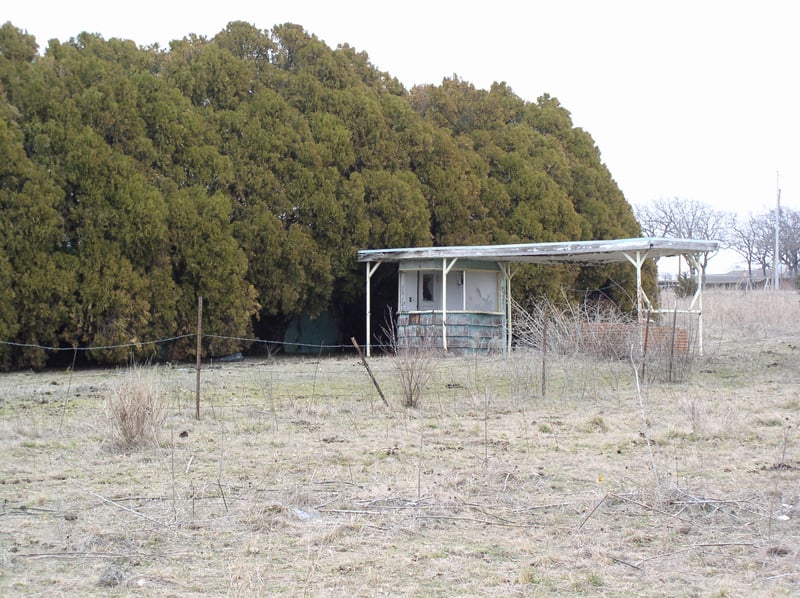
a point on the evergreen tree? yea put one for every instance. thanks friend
(249, 168)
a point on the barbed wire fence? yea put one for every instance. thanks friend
(273, 348)
(524, 372)
(318, 376)
(348, 347)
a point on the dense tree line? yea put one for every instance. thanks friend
(249, 168)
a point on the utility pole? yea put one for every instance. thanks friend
(775, 261)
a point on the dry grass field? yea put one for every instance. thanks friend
(298, 480)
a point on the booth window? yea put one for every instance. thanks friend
(427, 286)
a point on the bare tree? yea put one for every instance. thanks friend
(743, 238)
(790, 240)
(764, 240)
(754, 239)
(656, 219)
(683, 219)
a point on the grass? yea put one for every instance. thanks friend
(297, 480)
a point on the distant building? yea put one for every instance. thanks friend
(739, 280)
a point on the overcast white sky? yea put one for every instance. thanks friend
(697, 99)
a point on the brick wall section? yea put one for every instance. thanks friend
(614, 339)
(660, 338)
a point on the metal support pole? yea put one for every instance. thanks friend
(510, 339)
(444, 304)
(639, 291)
(776, 262)
(701, 274)
(697, 299)
(637, 262)
(507, 276)
(370, 271)
(445, 271)
(508, 309)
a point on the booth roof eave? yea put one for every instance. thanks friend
(587, 252)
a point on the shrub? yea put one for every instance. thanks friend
(414, 368)
(664, 352)
(569, 329)
(136, 409)
(413, 362)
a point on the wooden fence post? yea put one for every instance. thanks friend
(199, 353)
(369, 371)
(545, 318)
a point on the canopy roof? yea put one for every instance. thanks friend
(588, 252)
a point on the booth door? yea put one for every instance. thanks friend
(407, 292)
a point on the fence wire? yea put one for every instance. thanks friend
(161, 341)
